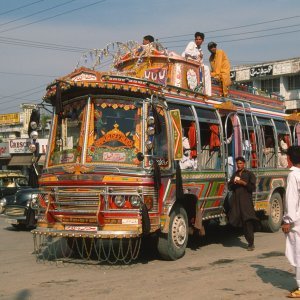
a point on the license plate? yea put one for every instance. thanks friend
(130, 221)
(81, 228)
(12, 221)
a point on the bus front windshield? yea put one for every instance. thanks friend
(99, 131)
(115, 132)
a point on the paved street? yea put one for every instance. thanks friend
(217, 267)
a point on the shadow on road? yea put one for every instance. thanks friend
(216, 234)
(278, 278)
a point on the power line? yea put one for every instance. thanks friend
(48, 18)
(241, 33)
(20, 7)
(27, 74)
(236, 27)
(36, 13)
(248, 38)
(48, 46)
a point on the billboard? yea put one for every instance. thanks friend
(9, 119)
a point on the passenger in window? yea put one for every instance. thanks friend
(282, 152)
(194, 51)
(269, 147)
(186, 162)
(246, 149)
(220, 67)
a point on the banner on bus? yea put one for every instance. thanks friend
(177, 133)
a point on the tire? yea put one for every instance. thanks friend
(171, 246)
(272, 222)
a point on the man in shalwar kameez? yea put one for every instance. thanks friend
(194, 51)
(220, 67)
(291, 217)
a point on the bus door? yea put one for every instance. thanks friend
(266, 142)
(232, 142)
(283, 142)
(249, 143)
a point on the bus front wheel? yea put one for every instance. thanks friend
(172, 245)
(272, 222)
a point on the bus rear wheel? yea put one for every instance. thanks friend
(172, 245)
(272, 222)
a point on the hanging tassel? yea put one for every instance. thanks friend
(157, 124)
(179, 187)
(146, 226)
(156, 175)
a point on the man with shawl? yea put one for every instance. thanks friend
(220, 67)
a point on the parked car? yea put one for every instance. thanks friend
(10, 183)
(19, 210)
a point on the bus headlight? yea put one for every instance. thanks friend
(119, 200)
(135, 200)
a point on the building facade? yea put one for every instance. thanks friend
(14, 140)
(274, 78)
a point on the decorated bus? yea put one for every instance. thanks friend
(141, 150)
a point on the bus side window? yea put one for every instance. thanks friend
(189, 142)
(210, 146)
(269, 147)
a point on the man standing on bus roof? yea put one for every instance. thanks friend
(242, 213)
(291, 217)
(194, 51)
(220, 67)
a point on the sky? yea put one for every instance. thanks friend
(41, 40)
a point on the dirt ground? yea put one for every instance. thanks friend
(215, 267)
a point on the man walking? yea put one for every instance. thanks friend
(291, 217)
(242, 213)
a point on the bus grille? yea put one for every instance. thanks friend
(89, 200)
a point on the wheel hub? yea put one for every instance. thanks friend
(179, 229)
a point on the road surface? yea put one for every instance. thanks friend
(215, 267)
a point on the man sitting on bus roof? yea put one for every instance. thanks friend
(193, 51)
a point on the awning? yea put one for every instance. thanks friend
(20, 160)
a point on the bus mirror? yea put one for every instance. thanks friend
(140, 156)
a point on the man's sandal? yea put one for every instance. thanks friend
(294, 294)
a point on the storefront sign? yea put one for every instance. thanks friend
(261, 71)
(8, 119)
(22, 145)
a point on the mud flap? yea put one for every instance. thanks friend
(146, 226)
